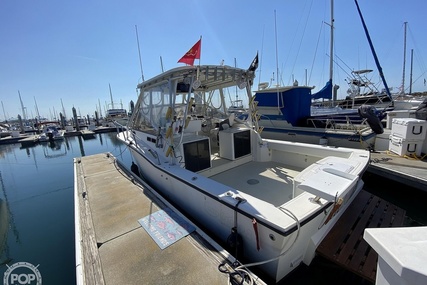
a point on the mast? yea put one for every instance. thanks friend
(380, 70)
(22, 107)
(410, 75)
(111, 97)
(331, 52)
(37, 108)
(4, 113)
(63, 109)
(402, 92)
(100, 110)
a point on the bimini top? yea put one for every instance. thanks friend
(203, 78)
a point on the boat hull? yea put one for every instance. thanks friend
(197, 196)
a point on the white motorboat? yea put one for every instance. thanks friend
(269, 202)
(51, 133)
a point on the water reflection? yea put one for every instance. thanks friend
(54, 149)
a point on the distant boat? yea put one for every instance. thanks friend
(271, 202)
(51, 133)
(116, 116)
(119, 116)
(363, 92)
(286, 113)
(4, 131)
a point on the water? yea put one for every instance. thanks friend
(37, 201)
(37, 209)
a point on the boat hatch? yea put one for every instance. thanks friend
(329, 179)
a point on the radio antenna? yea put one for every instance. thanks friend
(139, 53)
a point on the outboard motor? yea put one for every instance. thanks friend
(421, 112)
(50, 136)
(369, 113)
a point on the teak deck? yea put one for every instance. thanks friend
(345, 245)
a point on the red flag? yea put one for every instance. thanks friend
(192, 54)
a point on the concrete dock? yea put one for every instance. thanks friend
(113, 248)
(409, 170)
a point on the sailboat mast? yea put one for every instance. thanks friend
(331, 52)
(22, 107)
(380, 70)
(100, 110)
(63, 109)
(402, 92)
(410, 75)
(111, 97)
(37, 108)
(4, 113)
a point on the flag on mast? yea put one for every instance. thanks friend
(254, 64)
(192, 54)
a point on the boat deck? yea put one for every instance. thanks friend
(268, 181)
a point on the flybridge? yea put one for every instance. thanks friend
(116, 112)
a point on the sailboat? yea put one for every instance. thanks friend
(286, 113)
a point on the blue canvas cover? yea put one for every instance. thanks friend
(294, 103)
(325, 92)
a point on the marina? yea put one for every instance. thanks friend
(94, 176)
(31, 139)
(213, 172)
(34, 206)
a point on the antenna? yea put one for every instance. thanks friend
(139, 53)
(262, 49)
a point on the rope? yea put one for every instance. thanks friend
(242, 269)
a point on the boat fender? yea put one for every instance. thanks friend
(191, 104)
(169, 113)
(187, 121)
(368, 112)
(169, 131)
(168, 152)
(421, 111)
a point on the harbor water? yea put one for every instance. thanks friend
(37, 203)
(37, 209)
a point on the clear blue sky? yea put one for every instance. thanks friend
(72, 50)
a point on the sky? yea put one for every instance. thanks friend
(59, 55)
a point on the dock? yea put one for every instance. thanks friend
(112, 247)
(30, 139)
(87, 134)
(344, 245)
(409, 170)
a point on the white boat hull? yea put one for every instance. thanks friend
(203, 200)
